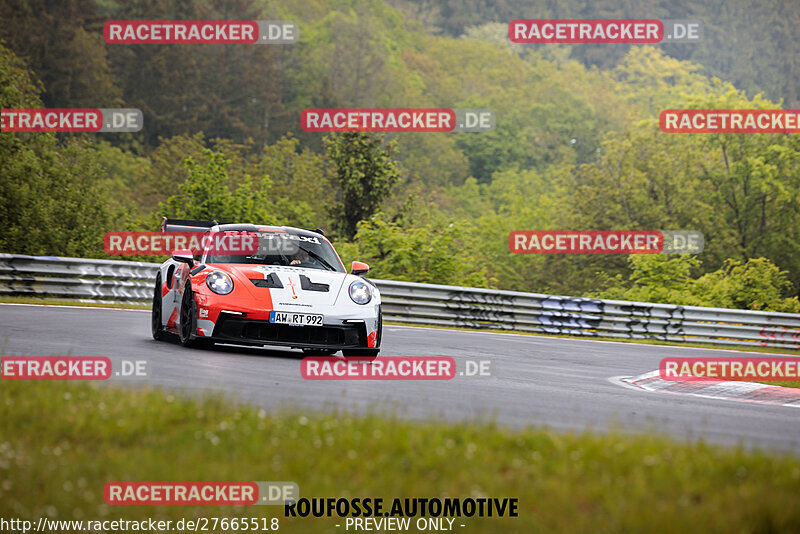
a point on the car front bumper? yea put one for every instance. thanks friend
(235, 329)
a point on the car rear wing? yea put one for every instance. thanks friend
(186, 225)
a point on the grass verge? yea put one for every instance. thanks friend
(72, 302)
(784, 383)
(61, 442)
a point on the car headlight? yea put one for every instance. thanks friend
(360, 292)
(219, 282)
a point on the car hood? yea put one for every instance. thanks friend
(302, 288)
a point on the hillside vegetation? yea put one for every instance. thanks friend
(577, 143)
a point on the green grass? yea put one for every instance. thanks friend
(73, 302)
(61, 442)
(784, 383)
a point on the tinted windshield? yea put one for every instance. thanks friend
(287, 249)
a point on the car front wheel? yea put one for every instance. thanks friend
(156, 328)
(188, 329)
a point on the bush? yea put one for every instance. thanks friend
(756, 285)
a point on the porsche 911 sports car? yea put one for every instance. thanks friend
(292, 291)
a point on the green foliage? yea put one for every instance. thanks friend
(52, 197)
(167, 169)
(654, 278)
(20, 88)
(742, 191)
(281, 185)
(365, 174)
(300, 182)
(733, 45)
(52, 201)
(225, 91)
(576, 147)
(63, 44)
(124, 175)
(757, 284)
(428, 254)
(206, 194)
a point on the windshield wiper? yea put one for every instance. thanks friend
(318, 258)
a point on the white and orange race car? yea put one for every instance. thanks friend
(291, 290)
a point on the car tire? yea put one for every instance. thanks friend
(187, 333)
(156, 327)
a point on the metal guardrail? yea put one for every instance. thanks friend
(430, 304)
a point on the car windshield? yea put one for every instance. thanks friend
(286, 249)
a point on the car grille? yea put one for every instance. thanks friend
(248, 331)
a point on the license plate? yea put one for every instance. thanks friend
(295, 319)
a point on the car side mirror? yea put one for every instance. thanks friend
(359, 268)
(183, 256)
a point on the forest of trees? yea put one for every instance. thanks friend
(577, 143)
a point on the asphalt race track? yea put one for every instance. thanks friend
(558, 383)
